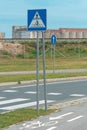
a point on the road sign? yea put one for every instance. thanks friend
(37, 20)
(53, 39)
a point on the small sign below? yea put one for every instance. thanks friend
(53, 39)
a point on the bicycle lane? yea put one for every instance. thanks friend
(60, 119)
(42, 123)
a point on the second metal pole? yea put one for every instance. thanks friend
(44, 72)
(37, 74)
(53, 58)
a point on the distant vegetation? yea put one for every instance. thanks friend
(62, 49)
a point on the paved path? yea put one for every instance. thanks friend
(71, 118)
(47, 71)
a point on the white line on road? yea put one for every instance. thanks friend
(12, 101)
(73, 119)
(55, 94)
(10, 91)
(77, 95)
(59, 117)
(52, 128)
(13, 107)
(30, 92)
(2, 97)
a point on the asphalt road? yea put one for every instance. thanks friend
(15, 97)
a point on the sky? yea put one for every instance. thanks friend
(60, 13)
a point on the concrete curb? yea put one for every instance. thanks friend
(68, 103)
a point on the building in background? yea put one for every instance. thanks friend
(2, 35)
(22, 32)
(72, 33)
(51, 32)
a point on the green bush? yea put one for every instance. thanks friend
(20, 55)
(5, 53)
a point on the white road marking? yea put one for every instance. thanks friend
(10, 91)
(12, 101)
(77, 95)
(56, 94)
(21, 128)
(73, 119)
(52, 128)
(59, 117)
(30, 92)
(39, 124)
(2, 97)
(35, 125)
(13, 107)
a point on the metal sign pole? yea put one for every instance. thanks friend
(79, 51)
(44, 72)
(51, 51)
(53, 41)
(53, 58)
(37, 74)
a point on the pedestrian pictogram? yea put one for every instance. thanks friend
(37, 20)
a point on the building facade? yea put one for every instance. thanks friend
(22, 32)
(72, 33)
(19, 32)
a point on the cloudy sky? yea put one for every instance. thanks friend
(60, 13)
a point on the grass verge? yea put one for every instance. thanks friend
(28, 77)
(20, 115)
(9, 65)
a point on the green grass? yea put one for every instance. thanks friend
(7, 65)
(19, 78)
(17, 65)
(20, 115)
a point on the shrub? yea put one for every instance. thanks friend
(20, 55)
(5, 53)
